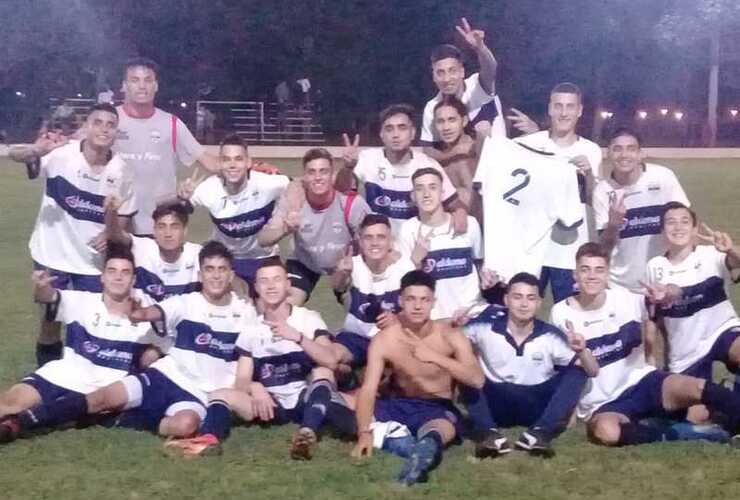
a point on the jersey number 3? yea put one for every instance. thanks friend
(509, 195)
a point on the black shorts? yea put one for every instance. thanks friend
(302, 277)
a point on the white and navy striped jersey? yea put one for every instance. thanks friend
(639, 238)
(614, 335)
(282, 366)
(238, 218)
(532, 362)
(160, 279)
(71, 212)
(100, 347)
(704, 311)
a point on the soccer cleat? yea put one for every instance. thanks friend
(302, 443)
(735, 441)
(423, 458)
(536, 442)
(206, 445)
(9, 429)
(492, 445)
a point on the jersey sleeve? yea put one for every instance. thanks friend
(203, 193)
(69, 304)
(407, 237)
(187, 148)
(127, 192)
(449, 192)
(173, 309)
(478, 96)
(314, 325)
(676, 190)
(476, 238)
(245, 340)
(364, 165)
(561, 352)
(427, 124)
(357, 213)
(601, 205)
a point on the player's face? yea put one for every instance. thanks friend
(624, 154)
(318, 176)
(101, 128)
(416, 303)
(448, 75)
(397, 132)
(272, 285)
(169, 233)
(234, 164)
(679, 229)
(449, 124)
(523, 301)
(375, 242)
(427, 193)
(118, 277)
(564, 110)
(216, 276)
(140, 85)
(592, 275)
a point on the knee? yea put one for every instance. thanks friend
(605, 432)
(183, 424)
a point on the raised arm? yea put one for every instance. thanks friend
(43, 291)
(114, 230)
(285, 220)
(609, 236)
(141, 314)
(367, 395)
(476, 40)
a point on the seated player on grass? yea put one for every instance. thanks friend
(426, 358)
(535, 373)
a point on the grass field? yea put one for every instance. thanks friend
(119, 464)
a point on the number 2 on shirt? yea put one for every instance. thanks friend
(509, 195)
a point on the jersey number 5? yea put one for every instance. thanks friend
(509, 195)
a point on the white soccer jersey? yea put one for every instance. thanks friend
(370, 293)
(532, 362)
(100, 348)
(564, 243)
(639, 238)
(160, 279)
(388, 187)
(71, 212)
(282, 366)
(204, 355)
(524, 194)
(481, 106)
(614, 335)
(238, 218)
(450, 261)
(704, 310)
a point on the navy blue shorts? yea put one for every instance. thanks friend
(302, 277)
(414, 413)
(49, 392)
(561, 281)
(720, 351)
(72, 281)
(642, 400)
(515, 404)
(246, 269)
(357, 345)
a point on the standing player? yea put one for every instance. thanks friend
(628, 207)
(426, 358)
(533, 373)
(565, 109)
(102, 345)
(627, 388)
(700, 322)
(322, 229)
(429, 242)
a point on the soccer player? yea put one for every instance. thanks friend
(565, 109)
(628, 207)
(69, 235)
(102, 345)
(322, 229)
(430, 243)
(535, 373)
(477, 92)
(627, 388)
(369, 284)
(386, 172)
(240, 201)
(277, 357)
(425, 358)
(170, 396)
(699, 319)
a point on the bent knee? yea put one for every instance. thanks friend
(605, 432)
(182, 424)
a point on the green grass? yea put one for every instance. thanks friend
(119, 464)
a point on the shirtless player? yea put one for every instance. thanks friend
(425, 358)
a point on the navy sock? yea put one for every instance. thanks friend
(341, 418)
(61, 411)
(138, 420)
(725, 401)
(218, 419)
(317, 405)
(631, 433)
(554, 418)
(436, 438)
(48, 352)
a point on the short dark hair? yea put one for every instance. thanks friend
(317, 154)
(567, 88)
(526, 278)
(233, 140)
(397, 109)
(417, 278)
(373, 219)
(214, 249)
(106, 107)
(143, 62)
(116, 250)
(592, 249)
(625, 131)
(677, 205)
(452, 101)
(426, 171)
(273, 261)
(445, 51)
(179, 210)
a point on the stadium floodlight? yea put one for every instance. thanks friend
(183, 105)
(664, 111)
(678, 115)
(642, 115)
(733, 112)
(79, 94)
(19, 93)
(606, 115)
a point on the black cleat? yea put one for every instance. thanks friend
(536, 442)
(492, 444)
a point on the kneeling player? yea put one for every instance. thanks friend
(425, 358)
(534, 373)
